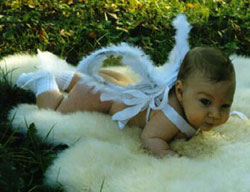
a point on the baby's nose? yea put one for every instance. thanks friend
(214, 113)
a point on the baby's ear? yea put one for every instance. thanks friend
(179, 90)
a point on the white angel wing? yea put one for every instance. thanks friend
(135, 58)
(152, 91)
(181, 44)
(132, 56)
(171, 68)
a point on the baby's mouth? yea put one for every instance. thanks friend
(207, 126)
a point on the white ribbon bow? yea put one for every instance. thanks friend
(138, 101)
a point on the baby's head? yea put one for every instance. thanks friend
(205, 87)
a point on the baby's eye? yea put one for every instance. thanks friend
(205, 102)
(225, 106)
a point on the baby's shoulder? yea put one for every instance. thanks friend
(160, 123)
(159, 117)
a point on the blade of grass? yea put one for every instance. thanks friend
(11, 136)
(6, 130)
(102, 185)
(46, 137)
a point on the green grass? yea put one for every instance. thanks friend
(23, 158)
(73, 29)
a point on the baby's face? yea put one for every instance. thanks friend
(206, 104)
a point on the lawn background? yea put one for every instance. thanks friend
(73, 29)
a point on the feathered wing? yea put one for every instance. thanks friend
(171, 67)
(135, 58)
(181, 39)
(132, 56)
(152, 91)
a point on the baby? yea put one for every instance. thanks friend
(199, 100)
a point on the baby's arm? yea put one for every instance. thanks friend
(157, 132)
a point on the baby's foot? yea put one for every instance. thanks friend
(56, 66)
(38, 82)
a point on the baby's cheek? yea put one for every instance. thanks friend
(224, 118)
(195, 119)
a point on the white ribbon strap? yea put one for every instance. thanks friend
(178, 121)
(239, 114)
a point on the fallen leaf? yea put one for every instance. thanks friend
(65, 33)
(31, 4)
(43, 35)
(92, 34)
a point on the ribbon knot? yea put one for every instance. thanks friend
(138, 101)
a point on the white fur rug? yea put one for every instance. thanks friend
(100, 154)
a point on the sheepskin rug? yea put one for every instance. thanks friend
(100, 157)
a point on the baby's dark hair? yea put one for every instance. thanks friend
(211, 62)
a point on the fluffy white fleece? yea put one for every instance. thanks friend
(216, 161)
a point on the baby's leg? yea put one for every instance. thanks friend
(43, 84)
(67, 79)
(48, 96)
(49, 100)
(81, 97)
(77, 77)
